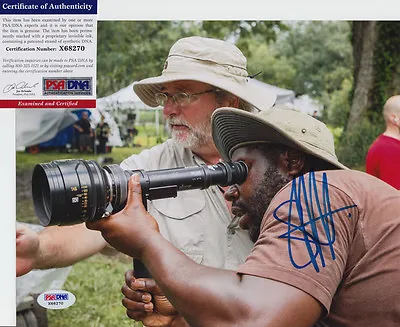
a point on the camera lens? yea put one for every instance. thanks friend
(67, 192)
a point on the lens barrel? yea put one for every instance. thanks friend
(67, 192)
(188, 178)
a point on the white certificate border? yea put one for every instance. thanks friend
(162, 10)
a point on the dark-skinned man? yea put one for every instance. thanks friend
(327, 249)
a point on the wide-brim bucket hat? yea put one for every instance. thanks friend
(215, 62)
(233, 128)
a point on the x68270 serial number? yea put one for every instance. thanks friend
(72, 48)
(55, 303)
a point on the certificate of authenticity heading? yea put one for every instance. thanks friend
(48, 54)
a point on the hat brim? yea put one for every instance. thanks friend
(233, 128)
(249, 91)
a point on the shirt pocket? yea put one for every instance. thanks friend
(182, 221)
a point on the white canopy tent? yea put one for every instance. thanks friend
(282, 95)
(304, 102)
(308, 105)
(123, 99)
(34, 126)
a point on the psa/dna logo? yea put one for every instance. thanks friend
(57, 299)
(67, 86)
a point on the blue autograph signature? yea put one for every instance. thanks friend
(324, 216)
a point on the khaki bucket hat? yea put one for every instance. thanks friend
(215, 62)
(233, 128)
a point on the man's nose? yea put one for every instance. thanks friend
(232, 193)
(171, 108)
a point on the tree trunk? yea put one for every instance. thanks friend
(394, 87)
(364, 38)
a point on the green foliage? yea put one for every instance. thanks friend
(314, 57)
(354, 144)
(276, 69)
(337, 106)
(320, 53)
(386, 65)
(308, 57)
(336, 132)
(132, 50)
(243, 30)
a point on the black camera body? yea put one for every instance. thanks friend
(72, 191)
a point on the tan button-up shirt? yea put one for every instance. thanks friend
(197, 222)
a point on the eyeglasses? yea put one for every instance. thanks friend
(181, 98)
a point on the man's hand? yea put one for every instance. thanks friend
(128, 230)
(27, 248)
(138, 295)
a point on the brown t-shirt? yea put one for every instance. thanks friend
(336, 236)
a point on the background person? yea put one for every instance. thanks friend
(102, 133)
(85, 133)
(316, 115)
(383, 157)
(200, 75)
(327, 238)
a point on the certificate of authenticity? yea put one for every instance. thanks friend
(48, 54)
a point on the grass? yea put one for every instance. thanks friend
(26, 161)
(96, 282)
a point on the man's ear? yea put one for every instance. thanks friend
(234, 102)
(293, 161)
(230, 101)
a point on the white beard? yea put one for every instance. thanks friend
(192, 138)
